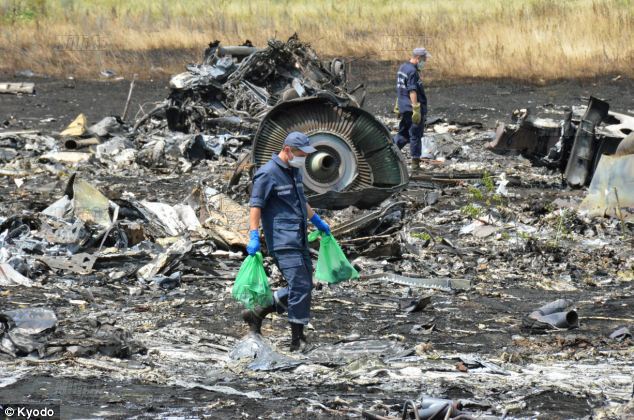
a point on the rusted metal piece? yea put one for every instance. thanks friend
(242, 166)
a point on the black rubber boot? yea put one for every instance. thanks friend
(298, 339)
(415, 165)
(255, 317)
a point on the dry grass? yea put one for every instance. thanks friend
(529, 39)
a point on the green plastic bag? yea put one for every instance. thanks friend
(251, 286)
(332, 265)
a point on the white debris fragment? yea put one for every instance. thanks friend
(10, 277)
(502, 182)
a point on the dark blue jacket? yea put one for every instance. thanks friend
(278, 190)
(408, 79)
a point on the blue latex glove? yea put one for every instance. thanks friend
(320, 224)
(254, 242)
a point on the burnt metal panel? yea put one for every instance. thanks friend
(583, 153)
(544, 141)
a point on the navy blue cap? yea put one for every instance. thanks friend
(299, 141)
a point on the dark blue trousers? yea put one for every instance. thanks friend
(411, 133)
(297, 269)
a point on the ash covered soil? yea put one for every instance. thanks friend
(367, 353)
(481, 101)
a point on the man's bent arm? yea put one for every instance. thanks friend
(309, 210)
(413, 97)
(254, 218)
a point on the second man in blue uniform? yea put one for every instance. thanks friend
(411, 104)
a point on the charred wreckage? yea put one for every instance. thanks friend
(591, 146)
(454, 303)
(266, 93)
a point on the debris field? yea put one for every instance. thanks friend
(487, 288)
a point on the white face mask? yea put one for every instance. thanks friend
(297, 161)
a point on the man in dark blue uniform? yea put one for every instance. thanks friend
(411, 104)
(279, 202)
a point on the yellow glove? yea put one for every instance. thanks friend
(416, 117)
(396, 110)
